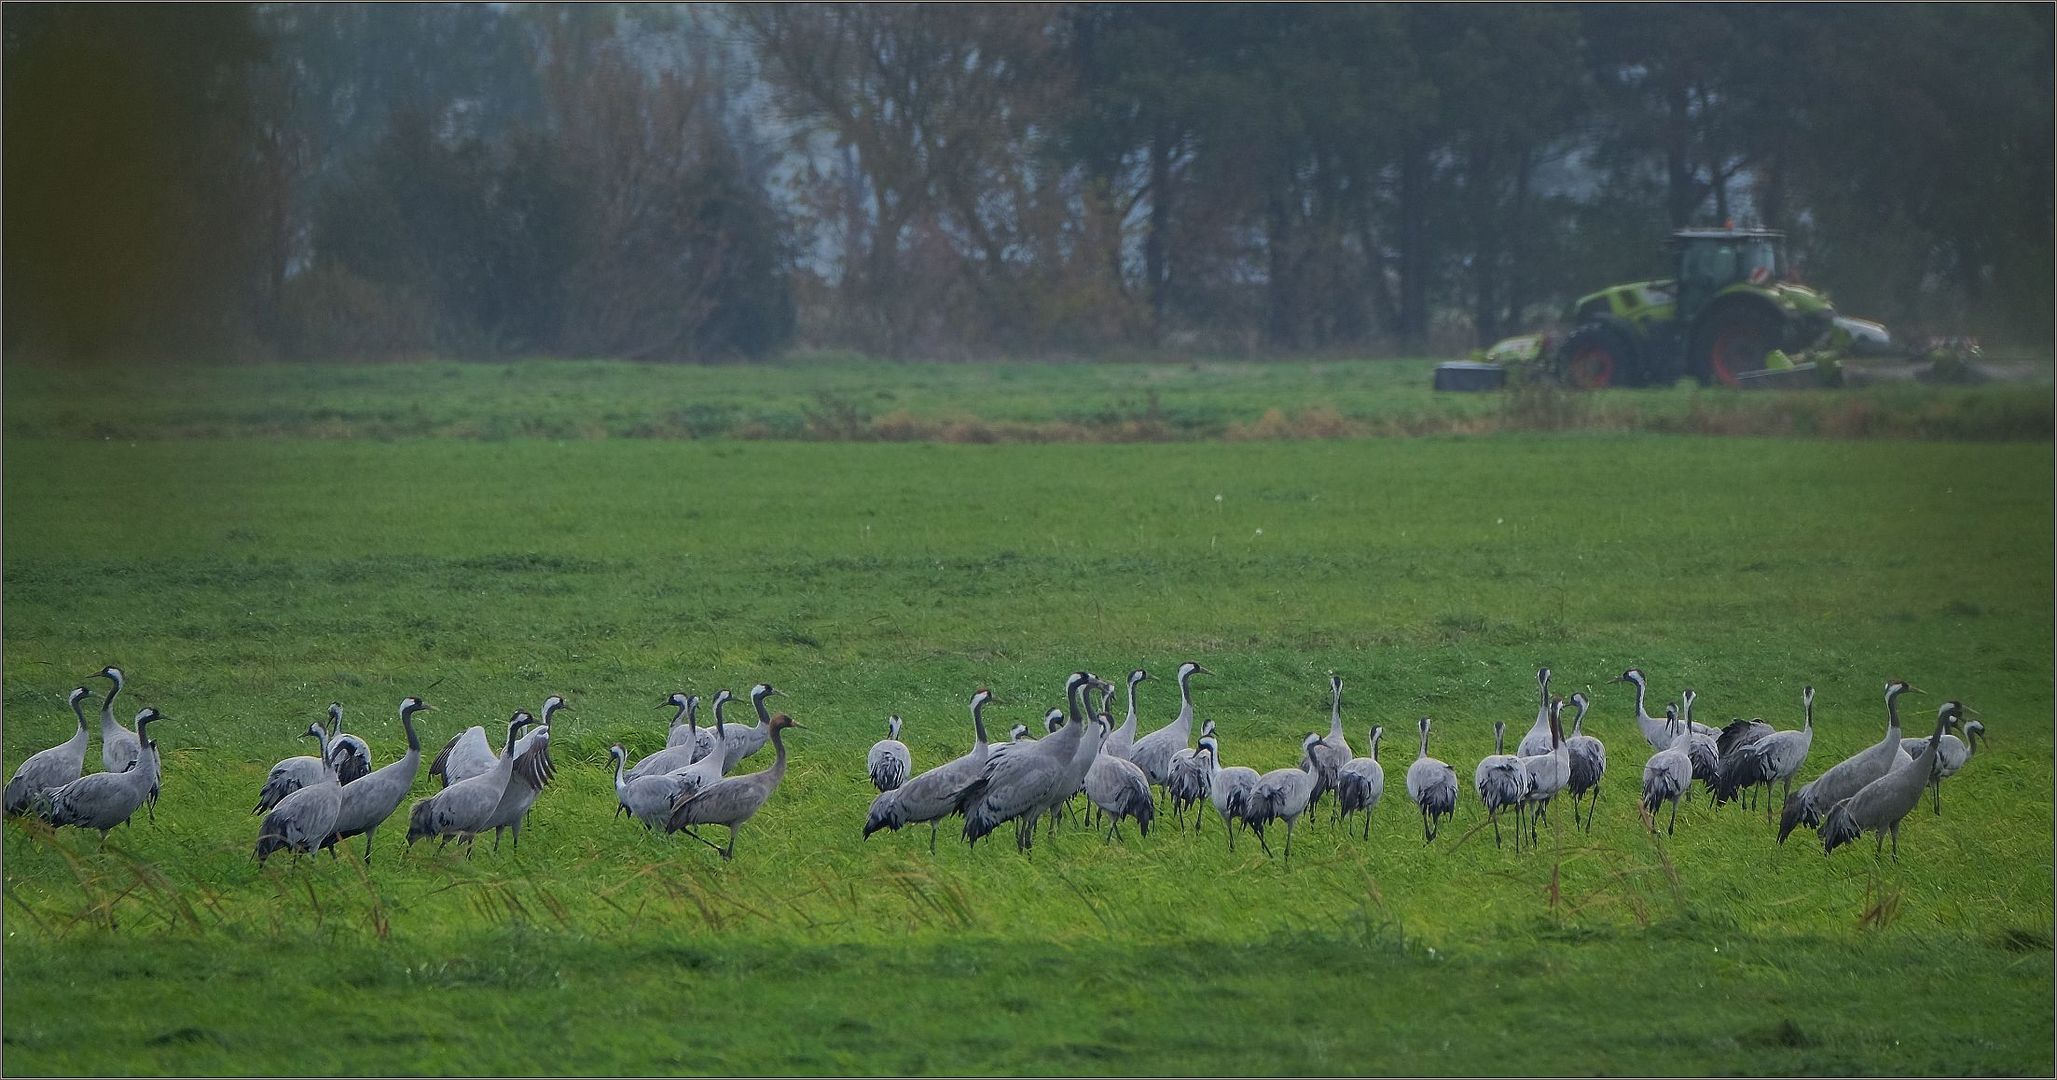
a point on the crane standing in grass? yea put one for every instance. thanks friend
(306, 817)
(889, 764)
(1951, 754)
(369, 801)
(465, 808)
(1501, 783)
(1330, 751)
(1152, 753)
(1588, 763)
(934, 795)
(103, 800)
(1668, 773)
(1361, 782)
(1882, 804)
(1809, 805)
(737, 799)
(48, 770)
(1432, 785)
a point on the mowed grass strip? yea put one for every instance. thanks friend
(836, 397)
(244, 585)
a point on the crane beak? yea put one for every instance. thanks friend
(797, 725)
(1913, 689)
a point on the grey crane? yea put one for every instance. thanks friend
(103, 800)
(1229, 789)
(735, 800)
(293, 773)
(1668, 773)
(1588, 763)
(1186, 781)
(934, 795)
(1736, 774)
(1090, 741)
(1772, 757)
(1701, 749)
(48, 770)
(1333, 749)
(1285, 794)
(889, 763)
(1118, 787)
(532, 769)
(1432, 786)
(646, 798)
(1537, 739)
(461, 810)
(677, 756)
(1501, 783)
(1548, 774)
(306, 816)
(1361, 783)
(1880, 806)
(1656, 732)
(1027, 781)
(740, 742)
(371, 799)
(1809, 805)
(119, 747)
(1951, 755)
(685, 727)
(1152, 753)
(1123, 738)
(348, 754)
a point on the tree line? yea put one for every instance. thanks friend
(699, 182)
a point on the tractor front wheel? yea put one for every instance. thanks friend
(1733, 342)
(1594, 358)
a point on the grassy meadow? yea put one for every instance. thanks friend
(251, 544)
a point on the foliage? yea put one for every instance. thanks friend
(963, 180)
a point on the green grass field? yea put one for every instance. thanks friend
(245, 575)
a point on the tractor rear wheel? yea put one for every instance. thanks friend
(1733, 341)
(1596, 357)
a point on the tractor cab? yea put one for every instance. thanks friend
(1710, 260)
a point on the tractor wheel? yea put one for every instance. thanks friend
(1734, 341)
(1596, 357)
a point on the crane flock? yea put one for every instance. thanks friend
(317, 801)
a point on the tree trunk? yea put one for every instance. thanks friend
(1678, 165)
(1279, 329)
(1157, 235)
(1414, 261)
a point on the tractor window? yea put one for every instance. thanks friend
(1711, 265)
(1760, 256)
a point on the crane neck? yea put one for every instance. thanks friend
(1129, 725)
(407, 725)
(1499, 739)
(1422, 755)
(108, 724)
(1335, 713)
(680, 716)
(78, 708)
(757, 702)
(778, 758)
(1185, 700)
(620, 784)
(1893, 716)
(978, 722)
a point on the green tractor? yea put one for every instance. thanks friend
(1730, 312)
